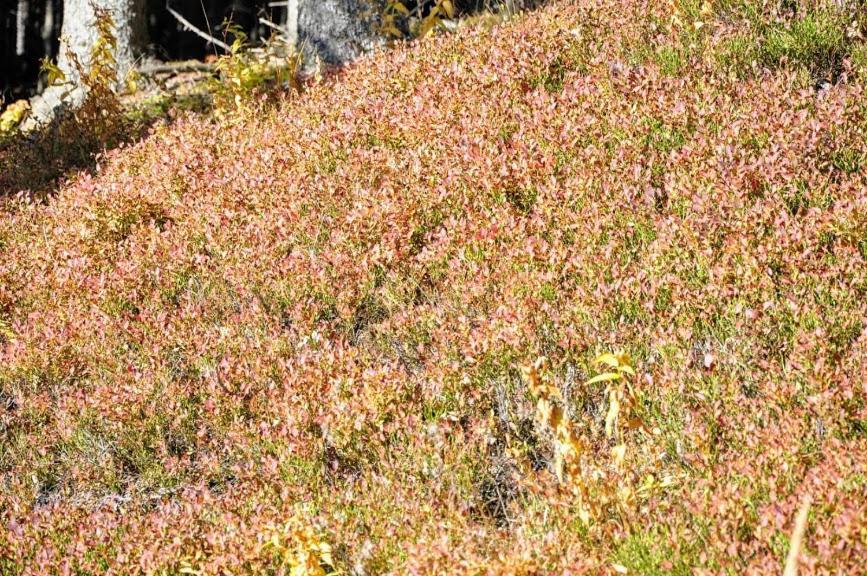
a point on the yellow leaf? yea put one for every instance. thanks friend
(550, 414)
(606, 377)
(634, 423)
(625, 494)
(557, 418)
(609, 359)
(564, 454)
(449, 8)
(325, 554)
(5, 330)
(531, 376)
(574, 445)
(53, 74)
(544, 409)
(428, 24)
(391, 30)
(624, 359)
(563, 430)
(647, 484)
(399, 7)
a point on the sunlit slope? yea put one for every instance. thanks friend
(297, 337)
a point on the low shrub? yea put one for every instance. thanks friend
(292, 337)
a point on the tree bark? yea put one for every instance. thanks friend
(47, 32)
(336, 31)
(21, 17)
(79, 32)
(78, 36)
(292, 23)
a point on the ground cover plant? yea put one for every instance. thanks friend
(583, 292)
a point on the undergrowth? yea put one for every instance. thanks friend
(306, 337)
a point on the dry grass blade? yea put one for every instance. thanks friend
(797, 536)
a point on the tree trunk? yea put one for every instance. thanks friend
(78, 36)
(292, 23)
(21, 17)
(336, 31)
(48, 31)
(79, 32)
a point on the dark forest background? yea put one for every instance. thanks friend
(30, 31)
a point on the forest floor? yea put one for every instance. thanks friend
(583, 292)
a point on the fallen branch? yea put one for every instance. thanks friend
(176, 67)
(189, 26)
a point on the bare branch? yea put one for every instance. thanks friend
(273, 26)
(189, 26)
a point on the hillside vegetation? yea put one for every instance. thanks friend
(306, 338)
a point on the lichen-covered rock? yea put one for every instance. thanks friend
(54, 101)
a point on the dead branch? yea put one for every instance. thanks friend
(189, 26)
(175, 67)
